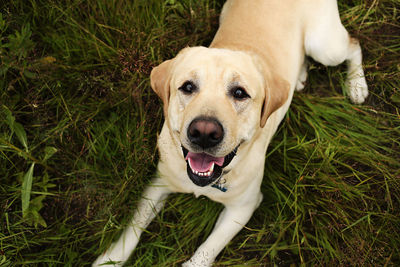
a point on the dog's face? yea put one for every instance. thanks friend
(214, 100)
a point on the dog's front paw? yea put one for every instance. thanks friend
(106, 263)
(357, 88)
(199, 260)
(191, 263)
(107, 260)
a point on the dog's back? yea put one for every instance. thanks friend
(272, 29)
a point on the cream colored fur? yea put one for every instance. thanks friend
(260, 45)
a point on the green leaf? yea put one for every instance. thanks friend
(21, 134)
(37, 202)
(26, 190)
(29, 74)
(9, 117)
(16, 128)
(33, 216)
(41, 221)
(395, 97)
(273, 253)
(3, 24)
(48, 152)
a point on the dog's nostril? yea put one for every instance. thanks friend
(194, 133)
(205, 132)
(215, 135)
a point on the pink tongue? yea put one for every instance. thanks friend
(202, 162)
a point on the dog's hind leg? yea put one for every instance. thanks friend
(151, 203)
(328, 42)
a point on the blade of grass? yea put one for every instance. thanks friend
(26, 189)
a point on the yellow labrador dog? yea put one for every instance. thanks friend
(223, 104)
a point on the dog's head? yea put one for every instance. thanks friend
(215, 100)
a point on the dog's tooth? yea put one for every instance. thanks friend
(190, 165)
(212, 168)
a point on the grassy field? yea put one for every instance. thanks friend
(78, 127)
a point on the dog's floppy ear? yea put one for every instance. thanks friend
(159, 79)
(276, 94)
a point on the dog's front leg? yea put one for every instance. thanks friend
(230, 222)
(151, 203)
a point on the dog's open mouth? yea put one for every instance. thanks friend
(204, 169)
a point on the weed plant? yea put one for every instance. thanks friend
(78, 129)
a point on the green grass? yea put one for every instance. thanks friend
(78, 128)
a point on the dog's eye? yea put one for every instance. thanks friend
(188, 87)
(239, 93)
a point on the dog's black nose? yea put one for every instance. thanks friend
(205, 132)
